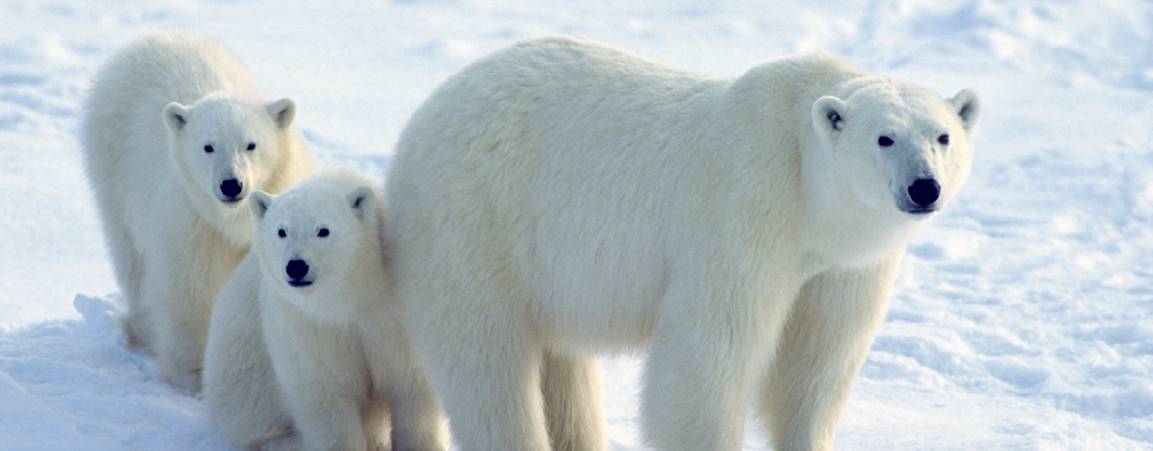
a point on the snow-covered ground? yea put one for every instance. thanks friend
(1022, 317)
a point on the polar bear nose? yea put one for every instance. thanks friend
(924, 192)
(296, 269)
(231, 188)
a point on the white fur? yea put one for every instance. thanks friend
(330, 360)
(561, 198)
(173, 241)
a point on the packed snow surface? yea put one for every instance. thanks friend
(1022, 314)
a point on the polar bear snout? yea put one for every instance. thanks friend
(231, 191)
(923, 193)
(297, 272)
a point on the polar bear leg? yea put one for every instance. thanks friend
(823, 345)
(325, 418)
(573, 402)
(129, 269)
(485, 365)
(376, 420)
(313, 377)
(239, 383)
(414, 407)
(244, 401)
(416, 421)
(181, 319)
(700, 367)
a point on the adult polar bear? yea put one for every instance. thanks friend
(561, 198)
(172, 200)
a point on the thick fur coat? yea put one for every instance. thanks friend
(175, 136)
(307, 336)
(561, 198)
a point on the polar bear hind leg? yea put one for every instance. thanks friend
(573, 403)
(491, 345)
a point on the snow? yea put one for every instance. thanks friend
(1021, 319)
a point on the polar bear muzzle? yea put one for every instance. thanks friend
(924, 194)
(231, 191)
(297, 272)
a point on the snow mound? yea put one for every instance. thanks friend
(70, 384)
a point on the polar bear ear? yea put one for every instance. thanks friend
(968, 107)
(259, 201)
(282, 111)
(828, 117)
(361, 200)
(176, 116)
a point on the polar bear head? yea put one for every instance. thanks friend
(898, 150)
(227, 147)
(311, 238)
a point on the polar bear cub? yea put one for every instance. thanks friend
(175, 136)
(561, 198)
(306, 335)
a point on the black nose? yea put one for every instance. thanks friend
(296, 269)
(231, 188)
(924, 192)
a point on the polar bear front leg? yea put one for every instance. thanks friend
(573, 402)
(417, 424)
(320, 377)
(829, 332)
(129, 269)
(326, 417)
(707, 348)
(416, 419)
(182, 312)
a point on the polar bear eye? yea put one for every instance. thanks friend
(251, 146)
(835, 119)
(884, 141)
(323, 232)
(208, 148)
(281, 233)
(943, 139)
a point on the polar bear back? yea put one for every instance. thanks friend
(557, 111)
(170, 68)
